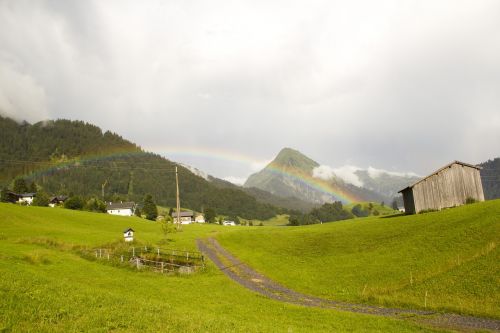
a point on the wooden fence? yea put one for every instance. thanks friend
(153, 258)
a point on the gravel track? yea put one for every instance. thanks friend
(249, 278)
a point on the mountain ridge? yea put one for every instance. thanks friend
(292, 173)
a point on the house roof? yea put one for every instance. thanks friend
(26, 195)
(439, 170)
(129, 229)
(58, 198)
(183, 214)
(120, 205)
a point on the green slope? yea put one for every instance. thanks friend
(451, 255)
(47, 287)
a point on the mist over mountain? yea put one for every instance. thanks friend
(292, 173)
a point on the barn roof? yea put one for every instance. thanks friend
(129, 229)
(183, 214)
(120, 205)
(441, 169)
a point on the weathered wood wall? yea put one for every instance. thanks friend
(447, 188)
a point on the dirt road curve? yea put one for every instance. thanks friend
(249, 278)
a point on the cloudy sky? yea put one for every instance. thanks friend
(223, 85)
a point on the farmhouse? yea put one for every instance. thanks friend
(450, 186)
(199, 218)
(121, 208)
(185, 217)
(57, 200)
(26, 198)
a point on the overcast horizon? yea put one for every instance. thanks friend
(404, 86)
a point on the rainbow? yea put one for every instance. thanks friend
(303, 178)
(38, 169)
(44, 168)
(315, 183)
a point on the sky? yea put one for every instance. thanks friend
(398, 85)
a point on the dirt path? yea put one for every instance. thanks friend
(249, 278)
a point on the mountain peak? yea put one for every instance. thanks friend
(289, 157)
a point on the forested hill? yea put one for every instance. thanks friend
(490, 177)
(73, 157)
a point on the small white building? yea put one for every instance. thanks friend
(199, 218)
(229, 223)
(185, 217)
(121, 208)
(26, 198)
(128, 235)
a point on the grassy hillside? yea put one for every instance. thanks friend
(48, 287)
(450, 255)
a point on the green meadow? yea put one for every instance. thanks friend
(46, 286)
(451, 256)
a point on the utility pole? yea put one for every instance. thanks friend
(178, 200)
(102, 188)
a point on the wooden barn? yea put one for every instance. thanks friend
(449, 186)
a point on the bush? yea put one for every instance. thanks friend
(75, 203)
(359, 211)
(470, 200)
(41, 199)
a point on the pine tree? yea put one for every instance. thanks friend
(150, 209)
(20, 186)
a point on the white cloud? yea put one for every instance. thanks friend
(346, 173)
(235, 180)
(21, 97)
(375, 173)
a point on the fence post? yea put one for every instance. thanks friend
(100, 253)
(133, 251)
(145, 249)
(158, 250)
(108, 255)
(162, 267)
(96, 253)
(121, 258)
(137, 263)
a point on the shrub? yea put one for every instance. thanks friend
(470, 200)
(75, 203)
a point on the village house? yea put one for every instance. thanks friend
(26, 198)
(57, 200)
(185, 217)
(452, 185)
(121, 208)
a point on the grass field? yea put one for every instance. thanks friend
(451, 256)
(47, 287)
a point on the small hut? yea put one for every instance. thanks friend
(128, 235)
(450, 186)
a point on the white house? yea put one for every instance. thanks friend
(230, 223)
(121, 208)
(128, 235)
(185, 217)
(199, 218)
(26, 198)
